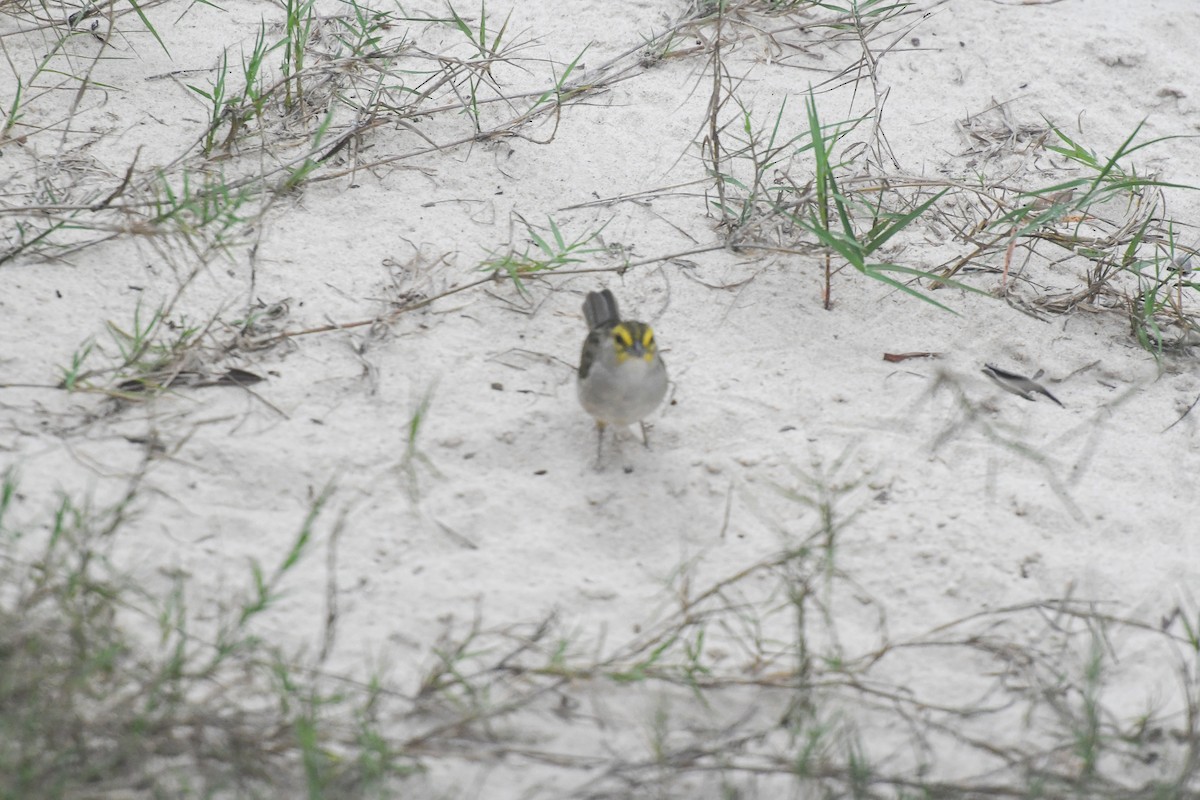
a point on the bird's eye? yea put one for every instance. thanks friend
(621, 337)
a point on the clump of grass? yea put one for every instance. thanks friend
(770, 208)
(338, 75)
(759, 675)
(87, 708)
(845, 239)
(299, 16)
(248, 104)
(844, 223)
(1164, 308)
(1109, 217)
(764, 679)
(151, 353)
(827, 193)
(489, 49)
(541, 254)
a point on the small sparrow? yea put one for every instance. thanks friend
(622, 378)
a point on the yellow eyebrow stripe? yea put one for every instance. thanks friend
(626, 333)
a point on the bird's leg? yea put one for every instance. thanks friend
(645, 435)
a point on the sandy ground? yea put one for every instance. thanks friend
(951, 498)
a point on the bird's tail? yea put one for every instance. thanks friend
(600, 308)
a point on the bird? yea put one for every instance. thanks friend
(622, 377)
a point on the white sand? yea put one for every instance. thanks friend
(968, 499)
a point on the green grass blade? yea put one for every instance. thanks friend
(142, 15)
(901, 222)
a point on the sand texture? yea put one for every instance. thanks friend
(301, 354)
